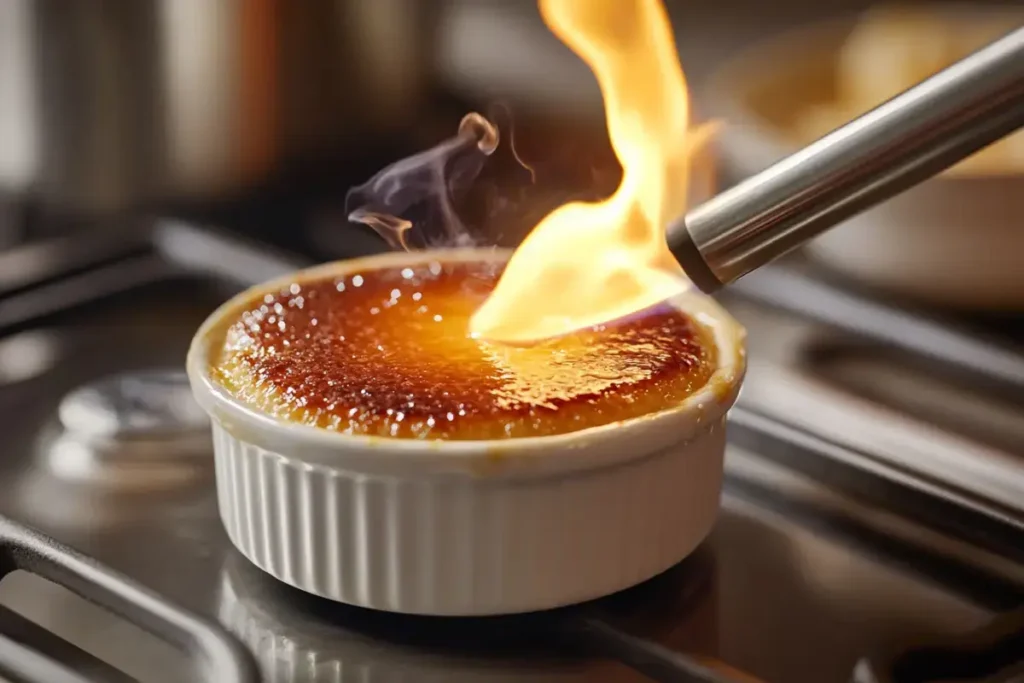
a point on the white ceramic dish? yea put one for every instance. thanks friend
(955, 240)
(469, 527)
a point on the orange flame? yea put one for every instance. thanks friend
(589, 263)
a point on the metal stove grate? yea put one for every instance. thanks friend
(217, 657)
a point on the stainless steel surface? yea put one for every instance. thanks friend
(800, 577)
(108, 105)
(789, 288)
(902, 142)
(928, 411)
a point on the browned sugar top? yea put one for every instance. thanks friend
(387, 352)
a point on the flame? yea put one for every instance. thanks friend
(589, 263)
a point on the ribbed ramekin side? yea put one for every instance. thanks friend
(467, 544)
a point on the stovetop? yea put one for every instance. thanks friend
(852, 523)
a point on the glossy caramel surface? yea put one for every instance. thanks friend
(387, 353)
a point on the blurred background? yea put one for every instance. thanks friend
(242, 125)
(258, 115)
(157, 156)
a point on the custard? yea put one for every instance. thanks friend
(386, 352)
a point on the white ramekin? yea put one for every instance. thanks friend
(469, 527)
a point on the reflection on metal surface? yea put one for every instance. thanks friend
(27, 355)
(993, 653)
(299, 638)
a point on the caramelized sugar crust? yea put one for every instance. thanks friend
(386, 352)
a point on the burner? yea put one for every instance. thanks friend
(138, 430)
(145, 404)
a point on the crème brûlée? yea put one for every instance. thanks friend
(387, 352)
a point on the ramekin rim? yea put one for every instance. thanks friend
(706, 405)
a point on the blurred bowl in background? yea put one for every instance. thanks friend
(955, 240)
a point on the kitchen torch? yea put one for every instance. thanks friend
(904, 141)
